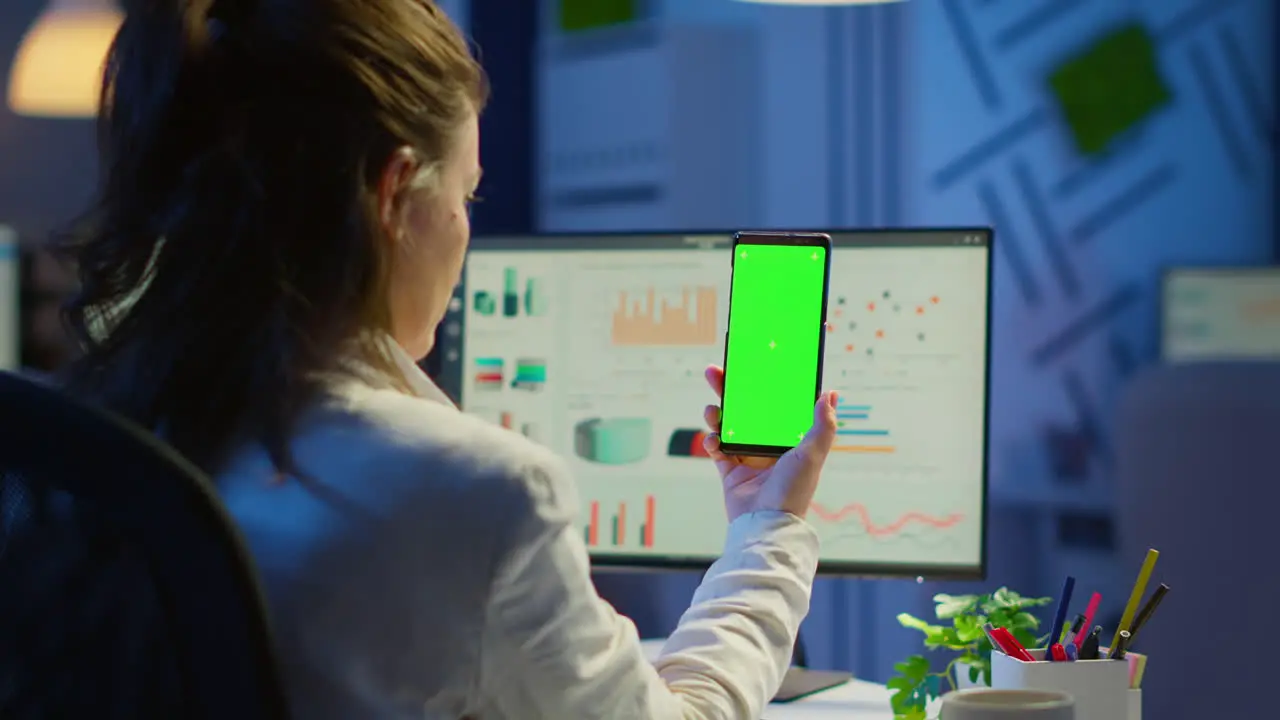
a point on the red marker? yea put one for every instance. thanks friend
(1059, 653)
(1010, 645)
(1089, 612)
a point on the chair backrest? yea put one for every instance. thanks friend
(125, 590)
(1198, 478)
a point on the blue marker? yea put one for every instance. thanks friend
(1060, 617)
(1072, 653)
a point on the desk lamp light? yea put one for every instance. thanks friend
(57, 72)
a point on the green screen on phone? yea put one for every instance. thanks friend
(774, 344)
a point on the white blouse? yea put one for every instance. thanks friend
(430, 566)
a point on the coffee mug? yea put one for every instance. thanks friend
(988, 704)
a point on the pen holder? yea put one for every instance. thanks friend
(1100, 687)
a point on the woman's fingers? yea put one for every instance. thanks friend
(715, 378)
(711, 416)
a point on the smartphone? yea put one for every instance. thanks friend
(774, 344)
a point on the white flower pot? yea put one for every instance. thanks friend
(962, 678)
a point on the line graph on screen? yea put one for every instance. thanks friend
(854, 521)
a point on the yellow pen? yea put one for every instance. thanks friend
(1136, 673)
(1139, 589)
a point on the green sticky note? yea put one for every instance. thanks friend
(576, 15)
(1110, 87)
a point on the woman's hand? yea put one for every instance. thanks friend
(758, 483)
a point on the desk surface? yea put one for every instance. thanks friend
(855, 700)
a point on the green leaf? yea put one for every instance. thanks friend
(1005, 598)
(914, 668)
(1023, 619)
(975, 672)
(949, 606)
(968, 629)
(904, 692)
(1002, 617)
(910, 687)
(943, 637)
(903, 701)
(911, 713)
(984, 646)
(913, 622)
(899, 682)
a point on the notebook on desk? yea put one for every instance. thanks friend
(803, 682)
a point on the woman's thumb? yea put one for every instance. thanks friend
(822, 434)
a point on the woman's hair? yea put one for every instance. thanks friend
(234, 253)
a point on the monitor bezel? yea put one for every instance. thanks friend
(715, 238)
(1167, 275)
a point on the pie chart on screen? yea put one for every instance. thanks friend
(687, 443)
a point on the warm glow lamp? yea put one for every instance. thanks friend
(58, 69)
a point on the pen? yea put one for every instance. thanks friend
(988, 628)
(1058, 653)
(998, 642)
(1089, 648)
(1060, 616)
(1069, 637)
(1147, 611)
(1139, 589)
(1011, 646)
(1089, 612)
(1139, 669)
(1072, 652)
(1117, 652)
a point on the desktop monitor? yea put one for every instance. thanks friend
(595, 346)
(9, 294)
(1221, 314)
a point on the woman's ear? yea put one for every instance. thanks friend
(395, 179)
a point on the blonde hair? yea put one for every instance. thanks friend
(250, 135)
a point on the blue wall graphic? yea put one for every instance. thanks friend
(1104, 140)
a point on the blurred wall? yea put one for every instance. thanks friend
(946, 112)
(47, 167)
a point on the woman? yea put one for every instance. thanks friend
(283, 218)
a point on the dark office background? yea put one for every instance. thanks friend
(1106, 140)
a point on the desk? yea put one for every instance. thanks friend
(855, 700)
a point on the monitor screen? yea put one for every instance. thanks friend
(595, 346)
(9, 294)
(1221, 314)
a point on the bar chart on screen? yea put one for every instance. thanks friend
(523, 423)
(518, 297)
(613, 531)
(647, 318)
(645, 331)
(856, 431)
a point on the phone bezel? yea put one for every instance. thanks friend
(801, 239)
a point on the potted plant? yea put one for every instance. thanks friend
(962, 618)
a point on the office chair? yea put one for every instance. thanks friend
(125, 590)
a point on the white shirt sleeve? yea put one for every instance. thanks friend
(554, 649)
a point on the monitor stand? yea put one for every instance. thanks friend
(800, 681)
